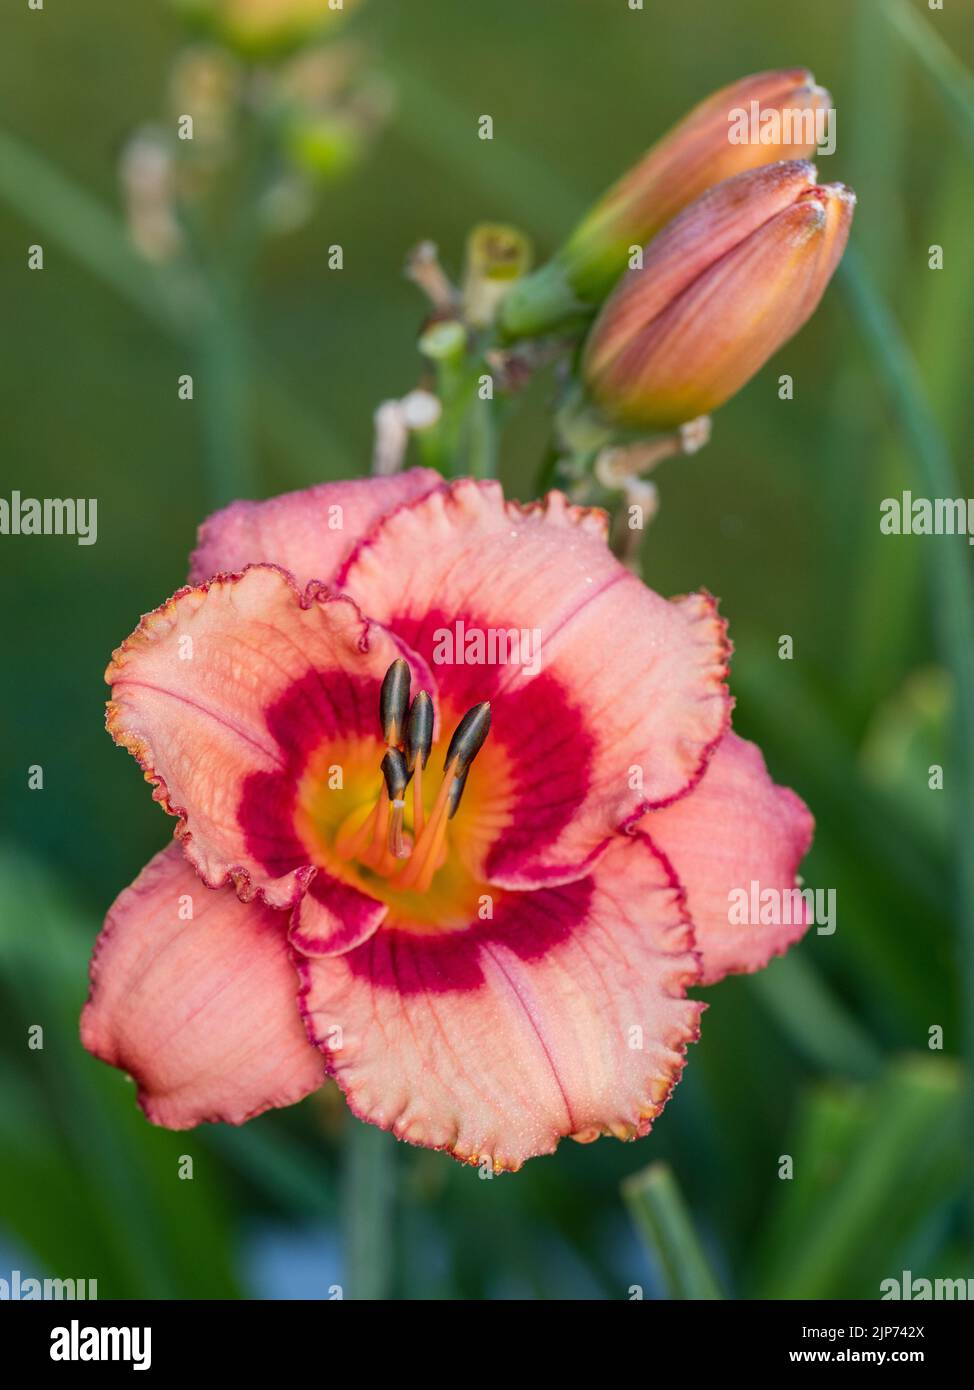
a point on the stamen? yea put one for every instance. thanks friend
(379, 840)
(394, 702)
(422, 865)
(468, 737)
(419, 730)
(377, 851)
(398, 847)
(425, 879)
(456, 792)
(419, 819)
(396, 776)
(419, 741)
(466, 743)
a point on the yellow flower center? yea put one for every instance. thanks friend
(409, 838)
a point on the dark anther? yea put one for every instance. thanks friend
(456, 792)
(468, 738)
(394, 702)
(419, 731)
(396, 773)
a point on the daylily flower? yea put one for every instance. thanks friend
(475, 890)
(720, 290)
(701, 150)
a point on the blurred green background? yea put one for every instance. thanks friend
(825, 1055)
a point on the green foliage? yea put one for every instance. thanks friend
(818, 1056)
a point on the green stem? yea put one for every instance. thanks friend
(659, 1211)
(482, 439)
(228, 260)
(446, 346)
(368, 1199)
(57, 209)
(224, 399)
(170, 298)
(541, 302)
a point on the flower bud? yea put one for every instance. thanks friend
(496, 256)
(262, 27)
(328, 105)
(721, 288)
(148, 184)
(760, 119)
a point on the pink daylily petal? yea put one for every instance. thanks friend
(223, 694)
(309, 533)
(202, 1013)
(628, 696)
(735, 830)
(334, 916)
(564, 1015)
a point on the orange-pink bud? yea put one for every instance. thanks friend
(702, 150)
(721, 288)
(766, 117)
